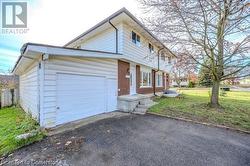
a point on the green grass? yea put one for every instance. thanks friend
(13, 122)
(194, 106)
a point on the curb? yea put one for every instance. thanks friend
(202, 123)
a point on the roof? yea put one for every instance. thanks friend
(31, 51)
(122, 10)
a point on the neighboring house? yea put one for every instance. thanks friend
(8, 81)
(245, 81)
(183, 81)
(102, 70)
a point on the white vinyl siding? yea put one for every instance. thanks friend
(105, 41)
(83, 66)
(29, 91)
(141, 54)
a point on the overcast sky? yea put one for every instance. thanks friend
(56, 22)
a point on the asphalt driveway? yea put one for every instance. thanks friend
(138, 140)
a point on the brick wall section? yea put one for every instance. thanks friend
(146, 90)
(123, 82)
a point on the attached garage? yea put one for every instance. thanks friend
(66, 84)
(80, 96)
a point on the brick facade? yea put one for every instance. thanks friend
(150, 89)
(124, 83)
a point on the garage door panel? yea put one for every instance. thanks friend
(80, 96)
(76, 98)
(78, 113)
(81, 107)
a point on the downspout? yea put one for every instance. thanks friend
(116, 37)
(158, 68)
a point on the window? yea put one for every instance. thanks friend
(151, 48)
(145, 79)
(133, 37)
(158, 79)
(136, 39)
(169, 60)
(163, 56)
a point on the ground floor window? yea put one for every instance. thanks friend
(158, 79)
(146, 79)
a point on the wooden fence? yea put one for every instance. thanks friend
(8, 97)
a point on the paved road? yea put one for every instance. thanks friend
(139, 140)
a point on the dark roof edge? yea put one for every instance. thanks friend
(122, 10)
(24, 47)
(47, 45)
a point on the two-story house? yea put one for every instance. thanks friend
(104, 69)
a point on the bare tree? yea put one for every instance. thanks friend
(218, 30)
(183, 66)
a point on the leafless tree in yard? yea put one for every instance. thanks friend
(217, 31)
(183, 66)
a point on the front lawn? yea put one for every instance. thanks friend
(235, 112)
(13, 122)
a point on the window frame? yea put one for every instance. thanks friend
(151, 48)
(133, 36)
(169, 60)
(137, 40)
(163, 58)
(148, 83)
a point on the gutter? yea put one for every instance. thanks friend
(116, 37)
(158, 68)
(22, 50)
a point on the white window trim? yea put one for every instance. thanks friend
(138, 44)
(153, 49)
(149, 72)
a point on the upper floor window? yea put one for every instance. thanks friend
(151, 48)
(163, 56)
(169, 60)
(136, 38)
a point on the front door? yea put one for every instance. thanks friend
(132, 79)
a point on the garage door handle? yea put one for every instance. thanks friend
(58, 108)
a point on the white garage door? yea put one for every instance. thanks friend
(80, 96)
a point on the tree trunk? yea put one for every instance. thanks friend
(214, 101)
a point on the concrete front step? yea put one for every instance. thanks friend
(146, 101)
(146, 105)
(141, 111)
(129, 103)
